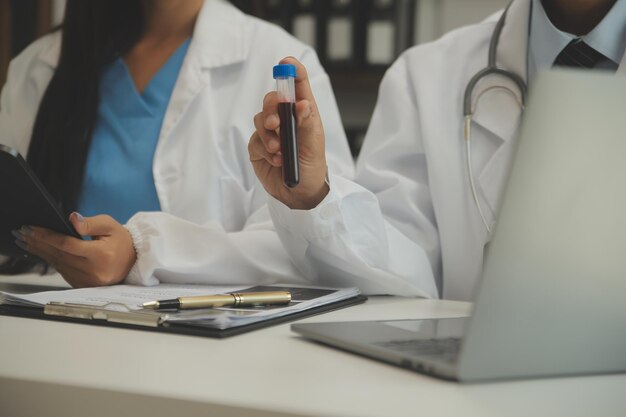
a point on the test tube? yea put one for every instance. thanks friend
(285, 75)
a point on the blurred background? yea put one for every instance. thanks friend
(356, 40)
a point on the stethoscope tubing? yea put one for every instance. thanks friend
(469, 107)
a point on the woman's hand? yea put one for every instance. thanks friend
(105, 260)
(264, 147)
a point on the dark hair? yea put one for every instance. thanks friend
(94, 34)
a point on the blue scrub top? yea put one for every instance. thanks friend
(118, 176)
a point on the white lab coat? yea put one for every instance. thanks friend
(215, 227)
(431, 236)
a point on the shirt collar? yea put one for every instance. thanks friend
(609, 37)
(546, 41)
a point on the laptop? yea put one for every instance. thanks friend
(552, 298)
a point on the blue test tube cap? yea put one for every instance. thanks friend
(284, 70)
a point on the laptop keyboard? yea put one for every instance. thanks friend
(446, 349)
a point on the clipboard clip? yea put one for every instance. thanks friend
(87, 312)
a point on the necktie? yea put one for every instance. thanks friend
(578, 54)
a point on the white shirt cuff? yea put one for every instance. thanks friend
(317, 223)
(135, 277)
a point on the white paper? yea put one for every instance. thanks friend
(130, 296)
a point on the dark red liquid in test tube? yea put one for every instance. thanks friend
(289, 143)
(285, 75)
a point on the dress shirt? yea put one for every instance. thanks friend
(546, 41)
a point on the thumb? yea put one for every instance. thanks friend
(303, 113)
(303, 87)
(309, 124)
(92, 226)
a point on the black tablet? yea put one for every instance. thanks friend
(25, 201)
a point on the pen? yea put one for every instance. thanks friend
(221, 300)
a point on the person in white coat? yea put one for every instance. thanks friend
(409, 223)
(206, 220)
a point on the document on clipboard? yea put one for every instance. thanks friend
(121, 305)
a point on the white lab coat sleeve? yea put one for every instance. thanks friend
(173, 250)
(350, 239)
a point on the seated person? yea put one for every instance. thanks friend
(409, 224)
(138, 113)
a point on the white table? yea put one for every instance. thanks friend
(61, 369)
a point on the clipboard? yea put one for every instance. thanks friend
(157, 321)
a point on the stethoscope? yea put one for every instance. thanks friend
(469, 107)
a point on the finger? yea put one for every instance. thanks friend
(303, 87)
(271, 121)
(77, 220)
(101, 225)
(268, 138)
(54, 256)
(303, 112)
(258, 151)
(309, 123)
(59, 241)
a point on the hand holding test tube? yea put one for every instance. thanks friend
(294, 171)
